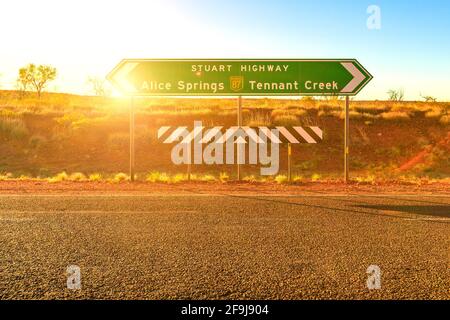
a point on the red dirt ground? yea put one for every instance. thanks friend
(139, 188)
(422, 155)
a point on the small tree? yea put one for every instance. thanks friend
(396, 95)
(36, 77)
(98, 86)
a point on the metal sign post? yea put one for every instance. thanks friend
(132, 151)
(239, 123)
(289, 162)
(346, 140)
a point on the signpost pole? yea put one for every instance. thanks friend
(346, 140)
(289, 163)
(239, 123)
(132, 139)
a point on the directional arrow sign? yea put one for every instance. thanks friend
(195, 77)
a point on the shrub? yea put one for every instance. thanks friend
(62, 176)
(251, 178)
(120, 177)
(179, 177)
(433, 113)
(329, 107)
(156, 176)
(370, 179)
(395, 115)
(5, 176)
(77, 176)
(316, 177)
(95, 177)
(24, 177)
(444, 120)
(224, 177)
(208, 178)
(280, 179)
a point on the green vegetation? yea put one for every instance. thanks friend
(35, 78)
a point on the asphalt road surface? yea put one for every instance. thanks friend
(224, 247)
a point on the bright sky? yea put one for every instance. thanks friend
(84, 38)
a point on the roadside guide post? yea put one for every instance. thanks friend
(346, 140)
(289, 162)
(132, 151)
(239, 123)
(240, 77)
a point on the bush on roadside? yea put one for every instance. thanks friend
(95, 177)
(120, 177)
(281, 178)
(62, 176)
(224, 177)
(395, 115)
(156, 176)
(77, 176)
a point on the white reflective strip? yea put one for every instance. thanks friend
(211, 133)
(121, 77)
(318, 131)
(192, 135)
(240, 140)
(162, 130)
(251, 133)
(228, 134)
(358, 77)
(305, 135)
(268, 133)
(285, 132)
(175, 135)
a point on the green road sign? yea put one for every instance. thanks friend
(233, 77)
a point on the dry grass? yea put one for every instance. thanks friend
(95, 177)
(13, 127)
(77, 176)
(250, 178)
(224, 177)
(156, 176)
(62, 176)
(444, 120)
(120, 177)
(395, 115)
(370, 179)
(281, 179)
(286, 120)
(259, 119)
